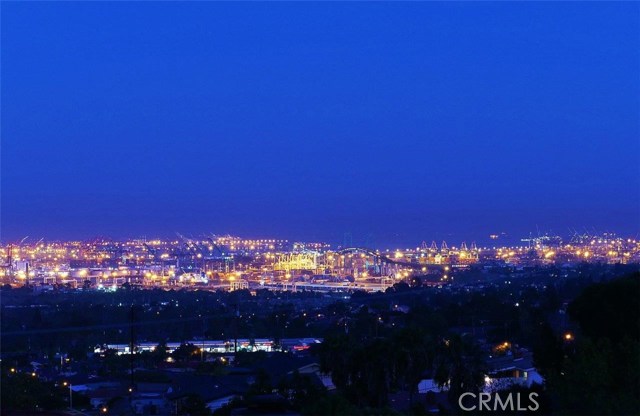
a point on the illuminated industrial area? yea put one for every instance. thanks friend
(230, 263)
(319, 208)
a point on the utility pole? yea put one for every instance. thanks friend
(131, 352)
(10, 260)
(204, 331)
(70, 395)
(235, 330)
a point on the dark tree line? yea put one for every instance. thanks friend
(597, 370)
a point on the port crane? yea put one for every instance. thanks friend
(9, 265)
(229, 261)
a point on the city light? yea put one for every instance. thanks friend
(278, 264)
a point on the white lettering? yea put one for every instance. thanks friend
(485, 398)
(503, 405)
(518, 401)
(460, 402)
(537, 405)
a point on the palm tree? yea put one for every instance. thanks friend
(412, 357)
(459, 365)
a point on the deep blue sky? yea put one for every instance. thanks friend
(406, 121)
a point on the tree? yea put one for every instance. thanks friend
(330, 405)
(261, 385)
(412, 356)
(299, 389)
(193, 405)
(22, 391)
(160, 352)
(334, 354)
(185, 352)
(600, 371)
(547, 350)
(459, 364)
(609, 310)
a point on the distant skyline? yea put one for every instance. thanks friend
(368, 241)
(399, 122)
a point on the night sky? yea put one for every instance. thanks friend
(394, 122)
